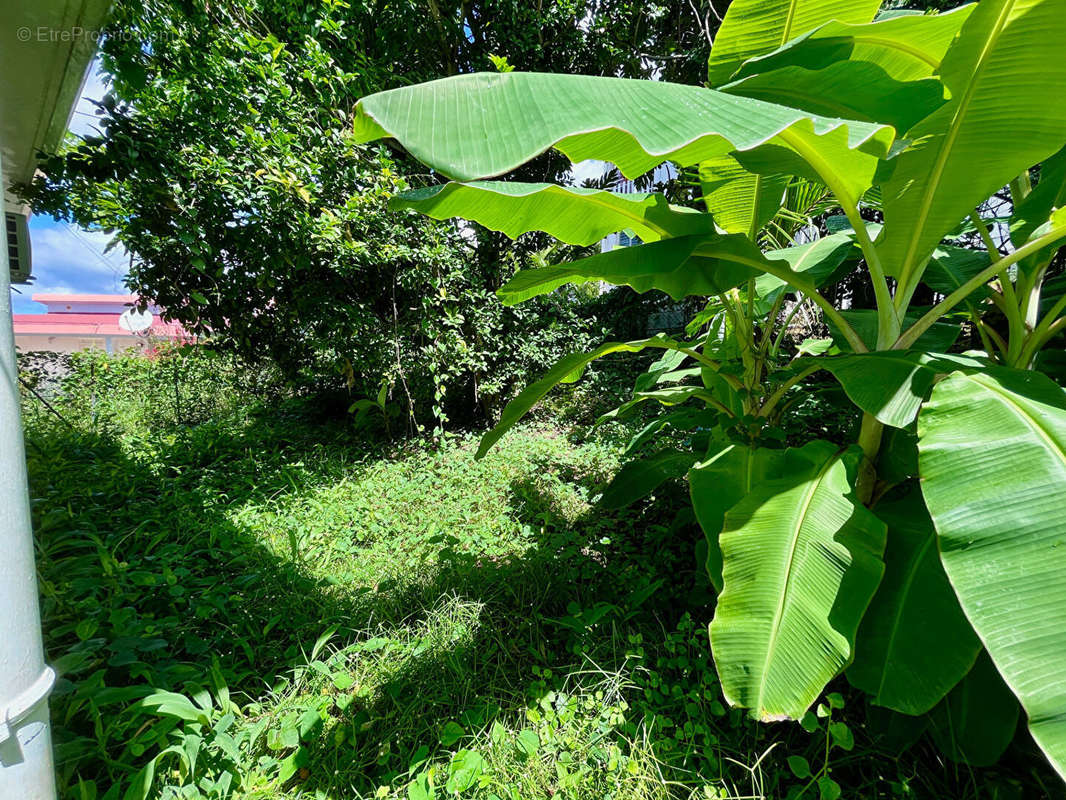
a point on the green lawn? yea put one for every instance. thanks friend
(283, 609)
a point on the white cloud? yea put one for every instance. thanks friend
(75, 253)
(589, 169)
(66, 259)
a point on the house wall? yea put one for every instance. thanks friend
(72, 343)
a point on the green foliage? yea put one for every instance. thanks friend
(718, 484)
(223, 167)
(567, 370)
(1010, 590)
(994, 61)
(751, 28)
(262, 606)
(915, 643)
(927, 119)
(176, 385)
(739, 201)
(571, 214)
(891, 385)
(906, 47)
(975, 723)
(682, 266)
(637, 124)
(801, 560)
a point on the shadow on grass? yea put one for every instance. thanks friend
(151, 578)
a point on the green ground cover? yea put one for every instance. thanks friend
(255, 603)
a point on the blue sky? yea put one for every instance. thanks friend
(66, 259)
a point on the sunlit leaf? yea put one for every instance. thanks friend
(754, 27)
(1003, 67)
(480, 125)
(572, 214)
(993, 464)
(905, 48)
(801, 560)
(891, 384)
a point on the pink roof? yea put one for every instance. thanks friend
(86, 325)
(85, 298)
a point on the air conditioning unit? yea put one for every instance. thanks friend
(17, 228)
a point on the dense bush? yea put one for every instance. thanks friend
(224, 164)
(261, 606)
(170, 387)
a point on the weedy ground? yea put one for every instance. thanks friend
(246, 602)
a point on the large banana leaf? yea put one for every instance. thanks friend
(571, 214)
(938, 338)
(754, 27)
(687, 265)
(566, 370)
(891, 384)
(817, 261)
(801, 560)
(718, 484)
(906, 48)
(914, 643)
(992, 455)
(484, 124)
(975, 723)
(1034, 209)
(1001, 72)
(740, 201)
(850, 89)
(642, 476)
(951, 267)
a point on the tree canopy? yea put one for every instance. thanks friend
(224, 164)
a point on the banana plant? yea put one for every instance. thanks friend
(933, 543)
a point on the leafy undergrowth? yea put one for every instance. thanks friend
(262, 607)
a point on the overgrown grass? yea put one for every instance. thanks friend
(264, 606)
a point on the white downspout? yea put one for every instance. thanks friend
(26, 771)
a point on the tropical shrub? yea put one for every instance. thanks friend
(931, 544)
(265, 605)
(220, 163)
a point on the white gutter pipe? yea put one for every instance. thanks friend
(26, 770)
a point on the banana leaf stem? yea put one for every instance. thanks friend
(888, 317)
(1010, 307)
(944, 306)
(1041, 334)
(870, 441)
(775, 398)
(786, 274)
